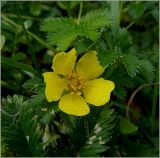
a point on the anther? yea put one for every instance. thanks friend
(79, 87)
(72, 93)
(78, 93)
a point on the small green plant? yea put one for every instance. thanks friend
(115, 44)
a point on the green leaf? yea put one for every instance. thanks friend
(131, 63)
(12, 63)
(124, 40)
(34, 84)
(147, 70)
(136, 10)
(93, 21)
(100, 135)
(89, 27)
(21, 132)
(2, 41)
(35, 9)
(59, 36)
(126, 127)
(83, 45)
(107, 57)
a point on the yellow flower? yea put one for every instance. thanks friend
(76, 84)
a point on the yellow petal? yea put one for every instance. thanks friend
(74, 104)
(54, 86)
(97, 92)
(88, 66)
(63, 63)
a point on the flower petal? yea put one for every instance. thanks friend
(97, 92)
(63, 63)
(74, 104)
(88, 66)
(54, 86)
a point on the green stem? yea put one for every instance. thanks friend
(11, 22)
(38, 39)
(134, 93)
(115, 15)
(33, 55)
(80, 12)
(155, 95)
(22, 16)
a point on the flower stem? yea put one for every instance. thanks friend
(115, 15)
(80, 12)
(155, 95)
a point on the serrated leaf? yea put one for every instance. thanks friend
(63, 31)
(147, 70)
(34, 84)
(131, 63)
(91, 24)
(20, 131)
(106, 57)
(100, 134)
(96, 19)
(82, 45)
(126, 126)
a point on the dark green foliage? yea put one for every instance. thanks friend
(20, 130)
(147, 70)
(106, 56)
(131, 63)
(100, 135)
(82, 45)
(140, 149)
(34, 84)
(34, 127)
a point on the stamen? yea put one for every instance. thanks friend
(78, 93)
(79, 87)
(72, 93)
(75, 83)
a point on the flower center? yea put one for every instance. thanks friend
(75, 83)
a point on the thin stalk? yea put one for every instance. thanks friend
(120, 9)
(41, 41)
(38, 39)
(22, 16)
(155, 95)
(33, 56)
(11, 22)
(80, 12)
(133, 95)
(131, 24)
(115, 15)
